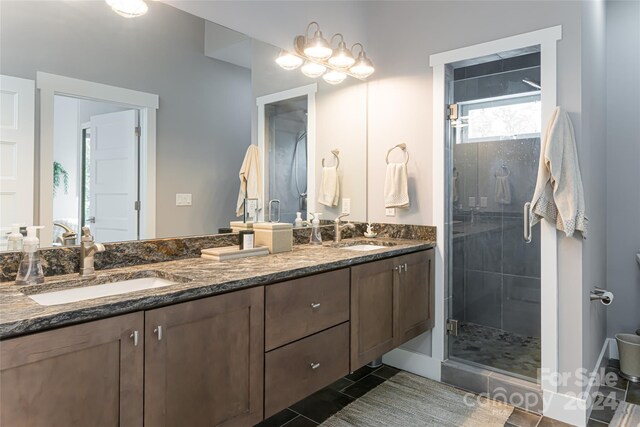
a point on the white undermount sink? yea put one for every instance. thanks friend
(98, 291)
(363, 248)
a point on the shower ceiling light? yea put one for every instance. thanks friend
(288, 60)
(363, 66)
(334, 77)
(317, 47)
(342, 57)
(128, 8)
(320, 57)
(313, 70)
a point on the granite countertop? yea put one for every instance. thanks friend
(195, 277)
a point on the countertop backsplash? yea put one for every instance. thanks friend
(66, 260)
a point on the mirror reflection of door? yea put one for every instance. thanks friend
(96, 154)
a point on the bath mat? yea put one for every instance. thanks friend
(626, 415)
(409, 400)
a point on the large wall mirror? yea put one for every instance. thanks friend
(139, 127)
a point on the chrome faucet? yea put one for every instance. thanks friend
(337, 237)
(88, 248)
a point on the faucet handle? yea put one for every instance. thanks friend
(340, 217)
(86, 234)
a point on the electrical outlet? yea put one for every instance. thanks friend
(183, 199)
(483, 202)
(346, 206)
(390, 211)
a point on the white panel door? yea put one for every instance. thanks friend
(114, 176)
(17, 99)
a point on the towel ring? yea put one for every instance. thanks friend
(335, 153)
(403, 147)
(506, 169)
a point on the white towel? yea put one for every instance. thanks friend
(250, 178)
(396, 188)
(503, 190)
(559, 196)
(329, 187)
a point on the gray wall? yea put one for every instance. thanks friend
(623, 160)
(205, 105)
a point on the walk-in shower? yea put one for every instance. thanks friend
(286, 132)
(493, 275)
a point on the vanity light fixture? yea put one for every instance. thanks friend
(288, 60)
(334, 77)
(318, 56)
(317, 47)
(128, 8)
(342, 57)
(363, 66)
(313, 69)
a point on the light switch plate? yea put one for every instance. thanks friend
(483, 202)
(390, 211)
(183, 199)
(346, 206)
(472, 201)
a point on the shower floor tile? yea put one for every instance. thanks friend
(507, 351)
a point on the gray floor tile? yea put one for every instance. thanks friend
(522, 418)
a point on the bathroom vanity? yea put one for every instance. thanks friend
(228, 344)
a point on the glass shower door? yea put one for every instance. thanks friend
(494, 276)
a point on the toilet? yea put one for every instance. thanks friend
(629, 349)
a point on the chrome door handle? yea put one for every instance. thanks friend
(315, 366)
(526, 223)
(158, 331)
(134, 336)
(315, 305)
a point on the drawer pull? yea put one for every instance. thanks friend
(315, 305)
(315, 366)
(134, 337)
(158, 331)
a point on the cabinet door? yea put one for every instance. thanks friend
(372, 329)
(204, 361)
(414, 289)
(84, 375)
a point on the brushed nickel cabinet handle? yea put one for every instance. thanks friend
(405, 267)
(315, 366)
(315, 305)
(134, 336)
(158, 331)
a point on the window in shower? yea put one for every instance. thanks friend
(494, 276)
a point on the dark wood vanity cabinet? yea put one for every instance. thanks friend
(204, 361)
(84, 375)
(392, 301)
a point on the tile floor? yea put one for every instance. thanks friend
(316, 408)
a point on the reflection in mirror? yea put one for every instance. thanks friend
(178, 174)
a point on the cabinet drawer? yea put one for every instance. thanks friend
(299, 369)
(301, 307)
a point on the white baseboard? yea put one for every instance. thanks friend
(416, 363)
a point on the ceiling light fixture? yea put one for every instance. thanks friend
(313, 69)
(318, 57)
(128, 8)
(288, 60)
(363, 66)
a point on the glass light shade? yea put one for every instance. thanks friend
(128, 8)
(288, 61)
(342, 57)
(318, 47)
(313, 70)
(363, 67)
(334, 77)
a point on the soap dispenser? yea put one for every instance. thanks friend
(15, 238)
(298, 221)
(316, 237)
(30, 268)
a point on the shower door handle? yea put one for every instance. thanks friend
(527, 222)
